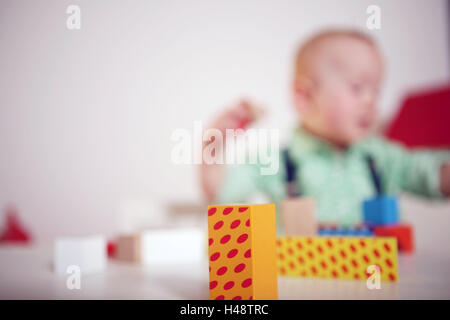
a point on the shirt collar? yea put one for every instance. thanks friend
(304, 143)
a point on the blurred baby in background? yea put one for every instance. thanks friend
(337, 79)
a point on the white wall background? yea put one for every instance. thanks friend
(86, 116)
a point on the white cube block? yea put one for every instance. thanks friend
(89, 253)
(172, 246)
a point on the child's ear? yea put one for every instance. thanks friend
(302, 91)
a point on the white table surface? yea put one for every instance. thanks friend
(26, 272)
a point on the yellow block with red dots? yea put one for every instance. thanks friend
(242, 252)
(337, 257)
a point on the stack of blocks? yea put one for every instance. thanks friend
(338, 252)
(242, 252)
(381, 214)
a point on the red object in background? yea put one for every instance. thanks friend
(111, 249)
(253, 113)
(243, 124)
(403, 232)
(14, 232)
(423, 120)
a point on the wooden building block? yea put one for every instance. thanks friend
(242, 252)
(88, 253)
(298, 216)
(337, 257)
(335, 230)
(380, 210)
(129, 248)
(173, 246)
(403, 232)
(162, 246)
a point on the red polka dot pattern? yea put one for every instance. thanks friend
(337, 257)
(212, 211)
(230, 253)
(246, 283)
(225, 239)
(218, 225)
(221, 271)
(242, 238)
(228, 285)
(239, 267)
(215, 256)
(235, 224)
(227, 211)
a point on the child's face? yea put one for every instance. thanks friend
(342, 99)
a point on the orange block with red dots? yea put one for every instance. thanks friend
(337, 257)
(242, 252)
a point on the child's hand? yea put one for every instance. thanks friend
(445, 178)
(238, 117)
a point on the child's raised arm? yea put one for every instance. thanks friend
(238, 117)
(420, 171)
